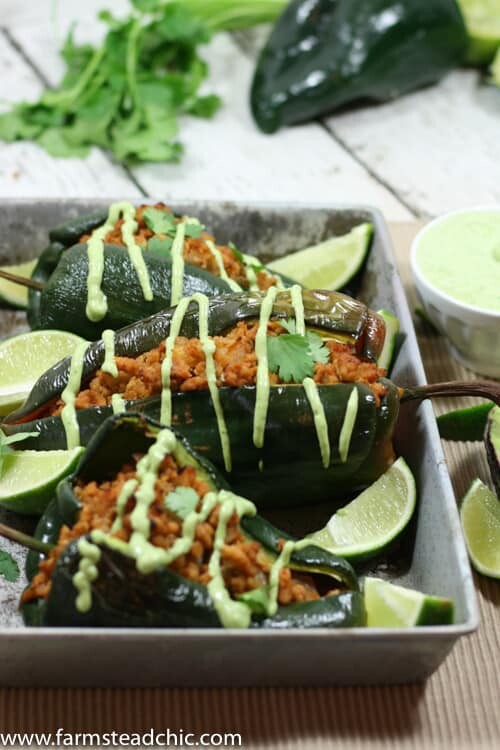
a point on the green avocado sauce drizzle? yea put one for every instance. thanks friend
(262, 384)
(68, 414)
(208, 347)
(109, 366)
(97, 305)
(220, 265)
(350, 415)
(178, 263)
(148, 558)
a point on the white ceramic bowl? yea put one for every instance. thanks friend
(473, 333)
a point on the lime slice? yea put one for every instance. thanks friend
(366, 525)
(391, 332)
(15, 294)
(495, 69)
(24, 358)
(482, 19)
(480, 514)
(464, 424)
(329, 265)
(391, 606)
(29, 478)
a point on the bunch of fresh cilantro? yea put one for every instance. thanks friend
(126, 95)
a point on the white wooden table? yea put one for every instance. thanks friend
(430, 152)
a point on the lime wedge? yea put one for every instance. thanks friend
(15, 294)
(29, 478)
(464, 424)
(24, 358)
(366, 525)
(391, 606)
(480, 514)
(391, 332)
(482, 20)
(329, 265)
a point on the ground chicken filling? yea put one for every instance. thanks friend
(245, 565)
(196, 251)
(235, 364)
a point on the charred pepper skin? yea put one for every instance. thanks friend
(325, 54)
(292, 470)
(63, 268)
(164, 598)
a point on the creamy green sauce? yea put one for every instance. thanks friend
(262, 385)
(319, 417)
(136, 255)
(232, 614)
(118, 404)
(97, 305)
(460, 255)
(208, 346)
(282, 561)
(86, 574)
(351, 413)
(220, 265)
(298, 308)
(69, 394)
(109, 364)
(166, 365)
(178, 264)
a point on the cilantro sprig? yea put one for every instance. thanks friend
(9, 568)
(293, 356)
(163, 223)
(126, 95)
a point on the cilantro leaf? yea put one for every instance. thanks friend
(182, 501)
(319, 352)
(193, 229)
(160, 246)
(160, 222)
(9, 568)
(289, 356)
(6, 440)
(256, 599)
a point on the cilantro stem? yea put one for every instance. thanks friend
(131, 60)
(233, 14)
(24, 539)
(66, 97)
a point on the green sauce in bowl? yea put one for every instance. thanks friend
(460, 256)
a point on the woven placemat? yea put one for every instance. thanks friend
(458, 707)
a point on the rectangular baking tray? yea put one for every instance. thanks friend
(431, 557)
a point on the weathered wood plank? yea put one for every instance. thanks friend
(227, 157)
(439, 147)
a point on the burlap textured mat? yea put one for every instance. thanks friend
(458, 707)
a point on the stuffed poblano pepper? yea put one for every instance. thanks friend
(147, 534)
(325, 54)
(108, 270)
(281, 391)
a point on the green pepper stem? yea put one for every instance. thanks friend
(23, 280)
(24, 539)
(482, 388)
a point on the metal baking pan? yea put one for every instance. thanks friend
(431, 556)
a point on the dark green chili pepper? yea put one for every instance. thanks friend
(289, 468)
(324, 54)
(123, 597)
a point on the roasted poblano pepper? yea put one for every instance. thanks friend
(63, 269)
(121, 596)
(288, 469)
(324, 54)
